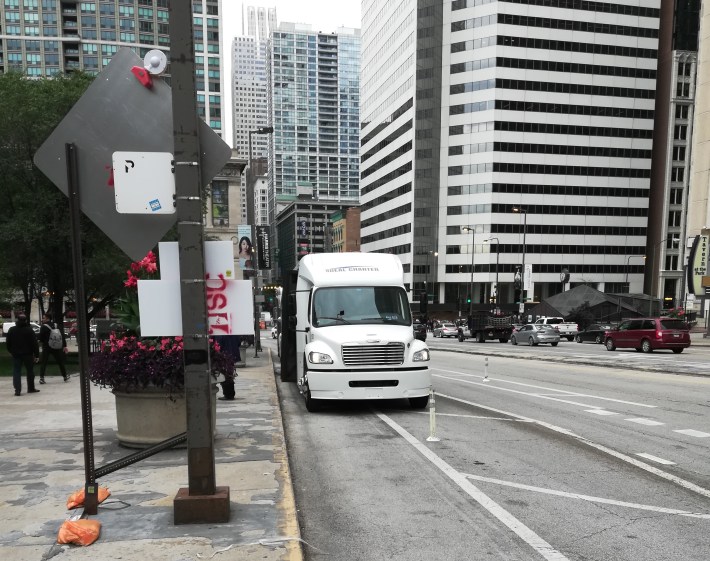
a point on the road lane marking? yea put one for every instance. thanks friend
(600, 412)
(656, 459)
(647, 422)
(486, 417)
(588, 497)
(692, 432)
(520, 529)
(623, 457)
(569, 393)
(541, 396)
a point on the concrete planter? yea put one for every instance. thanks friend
(147, 417)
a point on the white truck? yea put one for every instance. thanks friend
(354, 337)
(566, 329)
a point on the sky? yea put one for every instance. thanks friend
(322, 15)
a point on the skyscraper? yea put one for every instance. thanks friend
(472, 110)
(46, 37)
(314, 81)
(250, 99)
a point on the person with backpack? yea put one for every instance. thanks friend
(53, 343)
(22, 344)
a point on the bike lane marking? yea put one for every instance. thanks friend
(588, 498)
(623, 457)
(520, 529)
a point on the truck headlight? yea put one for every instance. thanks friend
(420, 356)
(319, 358)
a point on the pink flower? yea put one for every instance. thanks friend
(135, 267)
(151, 268)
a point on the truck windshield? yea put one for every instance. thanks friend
(360, 305)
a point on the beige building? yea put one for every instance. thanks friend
(698, 209)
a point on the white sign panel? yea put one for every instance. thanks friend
(144, 182)
(230, 310)
(219, 260)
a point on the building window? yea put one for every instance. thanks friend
(220, 203)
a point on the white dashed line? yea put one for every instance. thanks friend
(600, 412)
(647, 422)
(656, 459)
(691, 432)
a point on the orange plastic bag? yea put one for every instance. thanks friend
(79, 532)
(76, 499)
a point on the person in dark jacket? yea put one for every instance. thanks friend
(22, 344)
(229, 344)
(58, 354)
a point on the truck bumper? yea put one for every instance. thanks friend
(361, 384)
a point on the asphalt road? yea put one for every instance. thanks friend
(537, 459)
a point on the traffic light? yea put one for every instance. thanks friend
(468, 299)
(423, 301)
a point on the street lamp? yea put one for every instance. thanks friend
(525, 233)
(626, 283)
(471, 229)
(489, 240)
(251, 204)
(652, 276)
(435, 254)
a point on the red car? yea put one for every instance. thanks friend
(648, 335)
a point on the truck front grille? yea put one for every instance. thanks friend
(373, 355)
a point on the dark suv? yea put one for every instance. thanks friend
(419, 330)
(649, 334)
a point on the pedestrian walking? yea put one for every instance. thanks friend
(23, 346)
(229, 344)
(53, 343)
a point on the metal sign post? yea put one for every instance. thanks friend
(203, 501)
(91, 503)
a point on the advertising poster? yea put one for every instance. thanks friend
(245, 247)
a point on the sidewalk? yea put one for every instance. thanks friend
(42, 463)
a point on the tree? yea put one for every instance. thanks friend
(582, 315)
(35, 232)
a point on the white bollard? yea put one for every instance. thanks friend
(485, 371)
(432, 418)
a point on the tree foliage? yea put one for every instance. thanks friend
(35, 230)
(582, 315)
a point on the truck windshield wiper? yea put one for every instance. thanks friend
(337, 318)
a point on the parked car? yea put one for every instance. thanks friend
(7, 325)
(649, 334)
(419, 330)
(446, 330)
(594, 333)
(534, 334)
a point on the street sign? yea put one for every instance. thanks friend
(144, 182)
(117, 113)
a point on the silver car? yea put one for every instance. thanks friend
(532, 334)
(446, 330)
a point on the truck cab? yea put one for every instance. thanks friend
(354, 337)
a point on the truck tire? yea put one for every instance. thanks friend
(570, 337)
(503, 340)
(312, 405)
(419, 402)
(480, 338)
